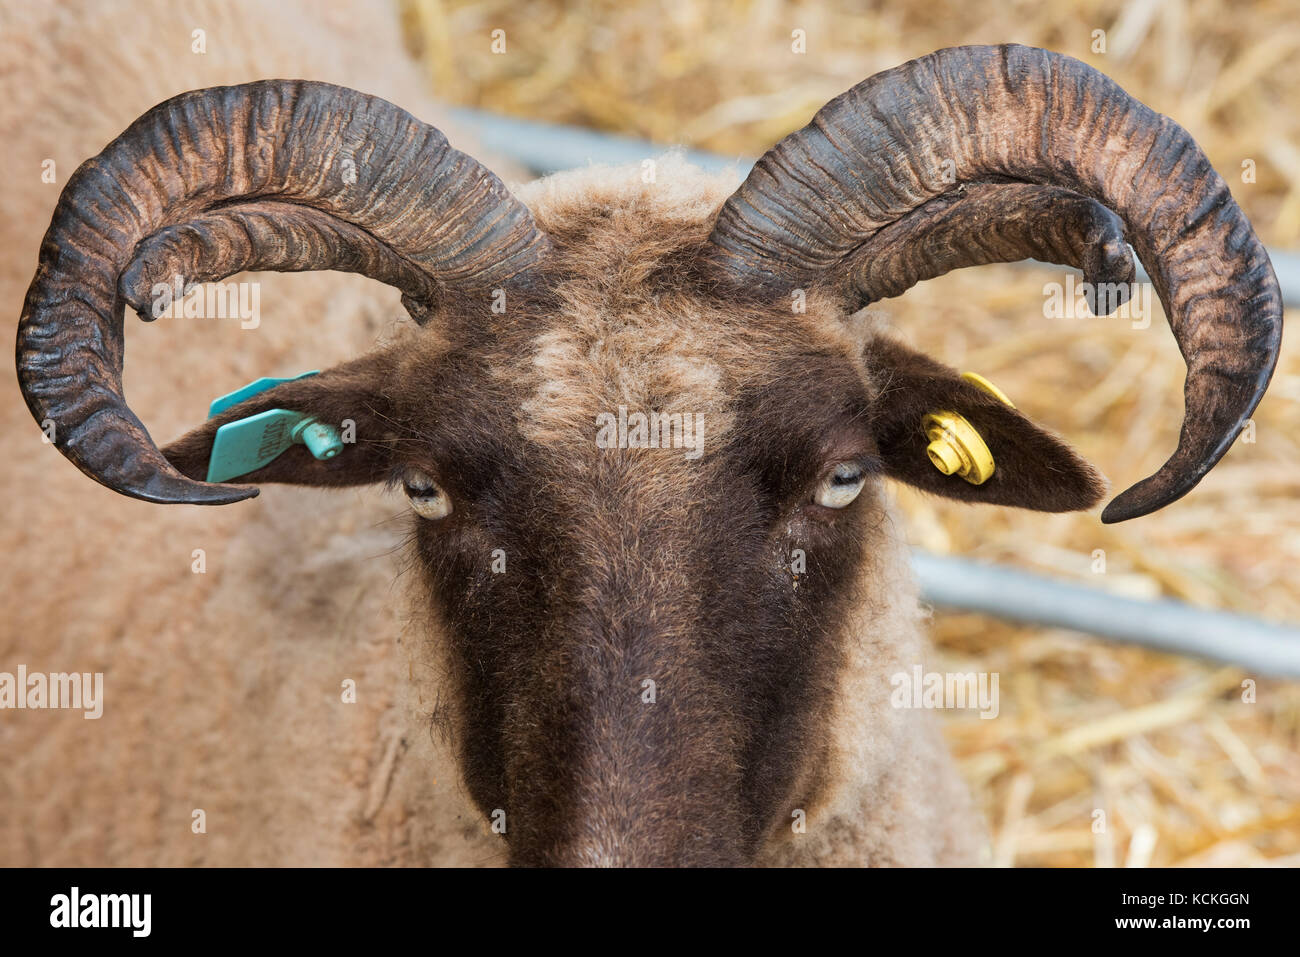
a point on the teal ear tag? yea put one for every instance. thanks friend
(247, 444)
(221, 404)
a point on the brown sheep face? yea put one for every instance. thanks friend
(640, 670)
(637, 664)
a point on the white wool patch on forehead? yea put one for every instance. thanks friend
(633, 349)
(573, 378)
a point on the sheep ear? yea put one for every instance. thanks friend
(1031, 468)
(350, 400)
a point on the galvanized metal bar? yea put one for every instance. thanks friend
(549, 148)
(1171, 626)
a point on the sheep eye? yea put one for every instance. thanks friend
(427, 498)
(841, 487)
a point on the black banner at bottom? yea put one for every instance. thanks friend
(927, 907)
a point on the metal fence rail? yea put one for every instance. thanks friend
(954, 582)
(1163, 625)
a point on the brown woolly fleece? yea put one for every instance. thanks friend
(222, 689)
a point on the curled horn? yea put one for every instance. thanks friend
(847, 201)
(216, 181)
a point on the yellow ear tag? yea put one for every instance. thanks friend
(955, 446)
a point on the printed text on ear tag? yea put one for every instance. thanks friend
(248, 444)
